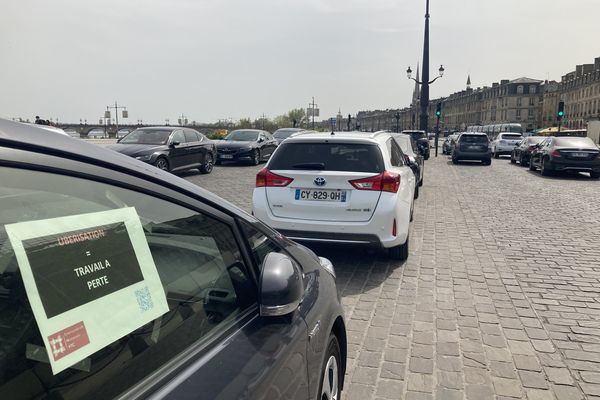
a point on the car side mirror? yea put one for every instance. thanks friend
(260, 140)
(175, 143)
(281, 287)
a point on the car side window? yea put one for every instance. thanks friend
(201, 276)
(397, 157)
(178, 136)
(191, 136)
(260, 244)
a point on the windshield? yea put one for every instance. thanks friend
(473, 139)
(511, 137)
(328, 157)
(575, 142)
(284, 133)
(147, 136)
(242, 136)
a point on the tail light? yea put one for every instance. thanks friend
(266, 178)
(555, 153)
(384, 182)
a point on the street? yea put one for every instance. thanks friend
(500, 295)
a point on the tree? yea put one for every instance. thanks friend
(245, 123)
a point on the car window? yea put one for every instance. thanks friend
(396, 155)
(202, 280)
(178, 136)
(191, 136)
(355, 157)
(260, 244)
(473, 139)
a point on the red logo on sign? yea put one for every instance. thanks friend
(68, 340)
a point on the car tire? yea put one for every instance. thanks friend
(416, 195)
(400, 252)
(531, 166)
(330, 387)
(512, 158)
(162, 163)
(207, 166)
(522, 161)
(594, 175)
(255, 157)
(454, 160)
(544, 169)
(422, 179)
(487, 161)
(496, 155)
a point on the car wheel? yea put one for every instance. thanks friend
(256, 157)
(454, 160)
(544, 169)
(331, 375)
(522, 161)
(512, 158)
(416, 195)
(400, 252)
(422, 179)
(531, 165)
(496, 155)
(594, 175)
(207, 167)
(162, 163)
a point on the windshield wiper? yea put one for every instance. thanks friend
(320, 166)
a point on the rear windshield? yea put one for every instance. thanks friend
(511, 137)
(473, 139)
(352, 157)
(575, 141)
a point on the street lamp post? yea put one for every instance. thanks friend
(424, 117)
(116, 107)
(397, 116)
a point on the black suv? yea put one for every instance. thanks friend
(472, 146)
(420, 137)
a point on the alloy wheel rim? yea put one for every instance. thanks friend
(330, 380)
(208, 165)
(162, 164)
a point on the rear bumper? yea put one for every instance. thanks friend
(377, 231)
(504, 149)
(244, 155)
(570, 165)
(479, 155)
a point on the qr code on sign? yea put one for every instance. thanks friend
(144, 299)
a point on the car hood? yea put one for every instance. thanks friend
(233, 144)
(137, 149)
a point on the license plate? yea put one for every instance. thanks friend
(226, 156)
(321, 195)
(475, 147)
(579, 154)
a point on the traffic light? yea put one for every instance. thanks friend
(561, 110)
(438, 110)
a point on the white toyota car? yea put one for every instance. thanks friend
(341, 187)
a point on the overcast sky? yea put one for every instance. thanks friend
(222, 59)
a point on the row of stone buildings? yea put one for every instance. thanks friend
(532, 103)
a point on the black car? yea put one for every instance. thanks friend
(122, 281)
(415, 160)
(422, 142)
(574, 154)
(448, 144)
(247, 145)
(283, 133)
(523, 150)
(472, 146)
(169, 148)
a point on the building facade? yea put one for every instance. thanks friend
(580, 90)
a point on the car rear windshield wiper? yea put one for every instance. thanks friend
(320, 166)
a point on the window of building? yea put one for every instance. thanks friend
(520, 89)
(531, 101)
(519, 102)
(532, 89)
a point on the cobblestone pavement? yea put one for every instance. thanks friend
(499, 299)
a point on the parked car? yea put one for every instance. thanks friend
(523, 150)
(472, 146)
(574, 154)
(247, 145)
(169, 148)
(343, 188)
(421, 139)
(448, 144)
(226, 307)
(97, 134)
(505, 143)
(413, 158)
(281, 134)
(51, 128)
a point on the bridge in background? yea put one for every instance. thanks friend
(111, 130)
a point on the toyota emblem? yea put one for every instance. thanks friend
(320, 181)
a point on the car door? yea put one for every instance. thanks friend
(210, 342)
(177, 150)
(405, 172)
(196, 152)
(537, 152)
(271, 142)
